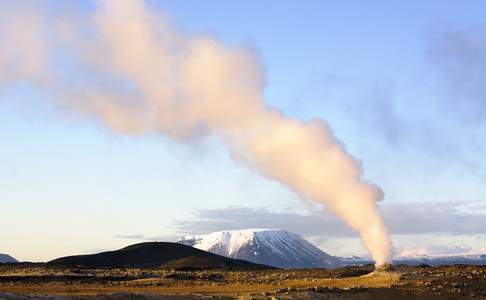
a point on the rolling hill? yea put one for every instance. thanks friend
(156, 255)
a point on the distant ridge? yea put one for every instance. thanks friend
(436, 260)
(156, 255)
(5, 258)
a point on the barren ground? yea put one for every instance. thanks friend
(423, 282)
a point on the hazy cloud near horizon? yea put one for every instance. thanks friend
(418, 228)
(402, 218)
(147, 238)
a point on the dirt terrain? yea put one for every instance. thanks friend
(31, 281)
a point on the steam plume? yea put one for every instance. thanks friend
(130, 70)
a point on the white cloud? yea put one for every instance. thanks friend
(402, 218)
(417, 228)
(437, 250)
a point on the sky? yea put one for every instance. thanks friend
(401, 85)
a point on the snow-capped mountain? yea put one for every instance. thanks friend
(5, 258)
(273, 247)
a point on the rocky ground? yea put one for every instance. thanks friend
(421, 282)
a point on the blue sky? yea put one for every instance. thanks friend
(381, 74)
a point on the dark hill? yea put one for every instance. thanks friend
(155, 255)
(5, 258)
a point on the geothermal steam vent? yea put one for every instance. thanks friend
(186, 88)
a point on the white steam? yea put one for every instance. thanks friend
(126, 67)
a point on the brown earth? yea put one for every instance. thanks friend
(30, 281)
